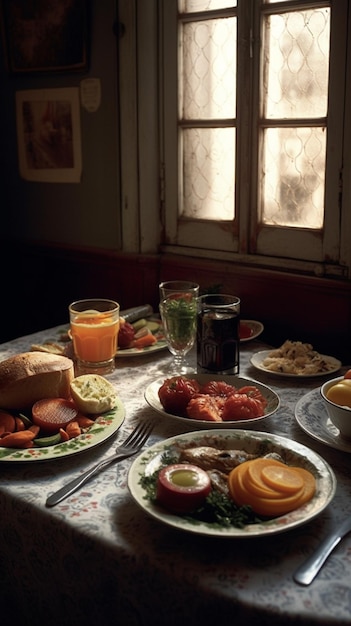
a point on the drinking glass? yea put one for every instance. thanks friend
(169, 287)
(218, 334)
(178, 313)
(94, 326)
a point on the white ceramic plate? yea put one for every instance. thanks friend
(312, 416)
(256, 327)
(151, 397)
(105, 426)
(161, 344)
(258, 358)
(293, 453)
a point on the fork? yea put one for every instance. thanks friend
(129, 447)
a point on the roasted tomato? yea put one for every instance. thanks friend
(245, 331)
(175, 394)
(205, 407)
(239, 406)
(125, 335)
(253, 392)
(218, 388)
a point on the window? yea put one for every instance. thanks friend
(235, 133)
(254, 105)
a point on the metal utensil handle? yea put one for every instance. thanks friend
(74, 484)
(306, 573)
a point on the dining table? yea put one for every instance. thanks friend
(99, 558)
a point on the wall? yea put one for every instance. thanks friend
(46, 278)
(81, 214)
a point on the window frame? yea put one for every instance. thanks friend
(149, 187)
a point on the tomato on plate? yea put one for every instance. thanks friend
(347, 375)
(245, 331)
(176, 392)
(51, 414)
(253, 392)
(218, 388)
(239, 406)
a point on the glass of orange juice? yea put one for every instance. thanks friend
(94, 326)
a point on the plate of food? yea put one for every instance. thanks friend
(249, 330)
(104, 426)
(207, 401)
(51, 413)
(312, 416)
(145, 336)
(221, 455)
(296, 359)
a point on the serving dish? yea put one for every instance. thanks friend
(312, 416)
(151, 397)
(104, 427)
(292, 452)
(256, 327)
(258, 358)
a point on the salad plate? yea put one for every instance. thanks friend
(161, 344)
(292, 453)
(273, 401)
(258, 358)
(104, 427)
(256, 328)
(312, 416)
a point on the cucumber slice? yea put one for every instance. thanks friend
(153, 326)
(139, 324)
(51, 440)
(26, 421)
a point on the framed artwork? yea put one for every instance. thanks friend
(50, 36)
(48, 135)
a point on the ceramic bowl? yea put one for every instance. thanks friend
(340, 416)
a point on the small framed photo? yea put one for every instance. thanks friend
(48, 135)
(45, 36)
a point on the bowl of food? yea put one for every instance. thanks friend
(336, 394)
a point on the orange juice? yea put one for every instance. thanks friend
(94, 335)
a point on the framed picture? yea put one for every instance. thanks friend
(48, 135)
(46, 36)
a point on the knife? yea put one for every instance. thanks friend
(306, 573)
(136, 312)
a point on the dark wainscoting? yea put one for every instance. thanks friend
(40, 279)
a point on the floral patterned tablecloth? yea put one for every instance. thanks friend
(97, 558)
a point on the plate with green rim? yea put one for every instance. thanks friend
(105, 425)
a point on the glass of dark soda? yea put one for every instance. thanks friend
(218, 320)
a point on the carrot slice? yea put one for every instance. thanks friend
(146, 340)
(18, 439)
(7, 422)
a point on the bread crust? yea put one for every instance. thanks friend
(31, 376)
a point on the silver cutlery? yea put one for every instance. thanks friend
(306, 573)
(133, 444)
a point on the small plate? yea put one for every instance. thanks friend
(258, 358)
(292, 452)
(161, 344)
(104, 427)
(151, 397)
(312, 416)
(256, 327)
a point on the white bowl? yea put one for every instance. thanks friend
(340, 416)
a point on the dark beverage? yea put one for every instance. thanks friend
(218, 339)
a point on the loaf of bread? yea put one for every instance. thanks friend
(31, 376)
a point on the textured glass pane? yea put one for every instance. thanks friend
(208, 173)
(208, 78)
(189, 6)
(297, 64)
(293, 176)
